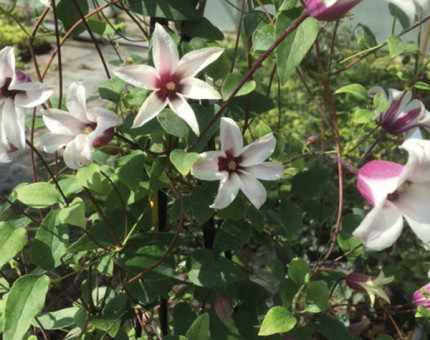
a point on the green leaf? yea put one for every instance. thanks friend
(380, 102)
(299, 271)
(263, 38)
(396, 46)
(175, 337)
(356, 90)
(50, 243)
(168, 9)
(277, 320)
(291, 218)
(130, 169)
(420, 85)
(331, 328)
(200, 202)
(363, 116)
(111, 89)
(183, 161)
(38, 195)
(25, 301)
(199, 329)
(59, 319)
(317, 296)
(208, 270)
(307, 184)
(202, 28)
(230, 83)
(96, 25)
(183, 317)
(92, 178)
(399, 15)
(68, 15)
(12, 240)
(276, 268)
(172, 124)
(253, 20)
(232, 235)
(290, 53)
(74, 214)
(368, 39)
(287, 5)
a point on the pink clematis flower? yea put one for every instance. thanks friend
(396, 191)
(370, 285)
(172, 80)
(17, 94)
(421, 297)
(404, 114)
(238, 167)
(79, 130)
(329, 10)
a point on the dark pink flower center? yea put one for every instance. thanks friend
(101, 140)
(5, 92)
(229, 163)
(168, 85)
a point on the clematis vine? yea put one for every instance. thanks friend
(404, 115)
(370, 285)
(17, 94)
(172, 80)
(78, 130)
(396, 191)
(421, 297)
(329, 10)
(238, 167)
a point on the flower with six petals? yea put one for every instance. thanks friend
(396, 191)
(238, 167)
(172, 80)
(79, 130)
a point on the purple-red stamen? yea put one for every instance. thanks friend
(229, 163)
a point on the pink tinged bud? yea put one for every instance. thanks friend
(223, 309)
(104, 138)
(329, 10)
(421, 297)
(376, 174)
(354, 281)
(312, 139)
(359, 327)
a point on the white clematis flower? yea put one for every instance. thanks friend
(79, 130)
(172, 80)
(238, 167)
(17, 95)
(396, 191)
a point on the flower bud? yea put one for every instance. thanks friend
(223, 309)
(359, 327)
(329, 10)
(421, 297)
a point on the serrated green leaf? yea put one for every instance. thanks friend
(38, 195)
(356, 90)
(12, 240)
(183, 161)
(277, 320)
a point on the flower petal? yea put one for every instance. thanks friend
(377, 179)
(198, 89)
(33, 94)
(206, 167)
(258, 151)
(78, 152)
(195, 61)
(51, 142)
(76, 101)
(381, 227)
(180, 106)
(227, 191)
(413, 204)
(62, 122)
(149, 109)
(13, 124)
(7, 64)
(231, 137)
(268, 171)
(417, 168)
(253, 189)
(142, 76)
(372, 92)
(164, 51)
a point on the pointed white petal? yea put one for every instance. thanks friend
(142, 76)
(195, 61)
(375, 90)
(104, 118)
(7, 64)
(406, 6)
(206, 167)
(253, 189)
(34, 94)
(381, 227)
(268, 171)
(413, 204)
(227, 191)
(149, 109)
(180, 106)
(198, 89)
(13, 124)
(377, 179)
(52, 142)
(164, 51)
(62, 122)
(231, 137)
(417, 169)
(78, 152)
(258, 151)
(76, 101)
